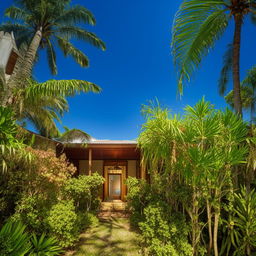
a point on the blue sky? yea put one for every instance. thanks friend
(136, 67)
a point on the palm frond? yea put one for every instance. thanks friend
(76, 54)
(16, 13)
(51, 57)
(81, 34)
(76, 14)
(226, 69)
(74, 135)
(250, 79)
(60, 88)
(44, 123)
(198, 24)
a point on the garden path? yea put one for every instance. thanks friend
(111, 237)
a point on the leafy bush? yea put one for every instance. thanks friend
(14, 241)
(63, 223)
(44, 246)
(163, 234)
(84, 191)
(31, 210)
(137, 197)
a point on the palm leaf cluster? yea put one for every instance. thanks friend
(43, 104)
(58, 21)
(197, 26)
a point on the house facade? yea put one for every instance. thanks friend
(115, 160)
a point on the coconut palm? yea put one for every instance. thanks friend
(248, 93)
(44, 103)
(43, 24)
(198, 25)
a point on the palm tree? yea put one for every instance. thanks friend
(42, 24)
(198, 25)
(248, 93)
(42, 104)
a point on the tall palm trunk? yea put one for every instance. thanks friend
(236, 63)
(23, 69)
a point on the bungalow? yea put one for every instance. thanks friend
(115, 160)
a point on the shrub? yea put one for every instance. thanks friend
(163, 234)
(137, 198)
(14, 241)
(63, 223)
(84, 190)
(31, 210)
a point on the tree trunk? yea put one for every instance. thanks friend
(216, 224)
(23, 70)
(209, 216)
(195, 222)
(236, 64)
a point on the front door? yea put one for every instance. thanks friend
(114, 186)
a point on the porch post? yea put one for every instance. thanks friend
(90, 161)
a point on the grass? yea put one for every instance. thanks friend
(111, 237)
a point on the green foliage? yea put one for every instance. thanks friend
(195, 154)
(8, 126)
(240, 228)
(14, 241)
(192, 40)
(84, 191)
(60, 24)
(31, 210)
(164, 235)
(62, 221)
(9, 145)
(138, 197)
(44, 246)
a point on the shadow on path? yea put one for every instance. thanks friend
(111, 237)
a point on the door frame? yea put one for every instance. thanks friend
(110, 163)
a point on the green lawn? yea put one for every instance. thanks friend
(110, 237)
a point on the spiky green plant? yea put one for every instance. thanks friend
(14, 241)
(44, 246)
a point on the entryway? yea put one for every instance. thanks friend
(115, 175)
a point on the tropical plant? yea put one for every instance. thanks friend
(14, 241)
(248, 93)
(44, 246)
(63, 223)
(9, 144)
(84, 191)
(197, 152)
(74, 135)
(241, 225)
(198, 25)
(44, 103)
(43, 24)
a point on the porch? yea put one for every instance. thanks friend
(114, 160)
